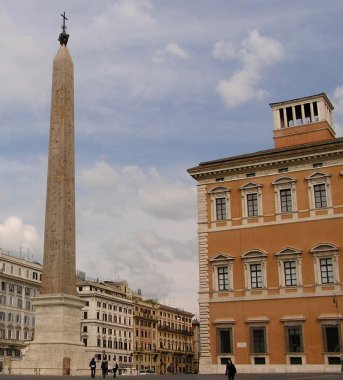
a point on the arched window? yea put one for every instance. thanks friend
(325, 261)
(289, 267)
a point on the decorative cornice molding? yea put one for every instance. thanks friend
(274, 158)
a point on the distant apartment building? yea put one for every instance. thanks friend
(107, 321)
(19, 281)
(175, 340)
(145, 334)
(270, 235)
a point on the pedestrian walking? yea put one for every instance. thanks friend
(230, 370)
(104, 368)
(92, 365)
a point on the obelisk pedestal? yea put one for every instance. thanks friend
(57, 348)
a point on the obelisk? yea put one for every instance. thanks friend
(59, 242)
(57, 348)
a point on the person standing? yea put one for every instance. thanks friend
(104, 367)
(115, 369)
(230, 370)
(92, 365)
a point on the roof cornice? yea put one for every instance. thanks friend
(273, 158)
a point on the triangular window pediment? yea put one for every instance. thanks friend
(287, 251)
(221, 189)
(317, 175)
(250, 185)
(221, 257)
(283, 180)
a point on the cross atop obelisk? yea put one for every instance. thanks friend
(59, 240)
(64, 36)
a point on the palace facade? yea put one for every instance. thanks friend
(270, 237)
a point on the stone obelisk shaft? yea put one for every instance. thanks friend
(59, 264)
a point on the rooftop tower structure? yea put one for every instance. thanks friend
(303, 120)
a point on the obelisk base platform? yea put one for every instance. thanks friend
(56, 349)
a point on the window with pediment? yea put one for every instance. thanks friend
(289, 267)
(325, 260)
(251, 194)
(220, 203)
(255, 269)
(319, 190)
(222, 277)
(285, 195)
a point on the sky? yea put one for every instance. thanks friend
(160, 86)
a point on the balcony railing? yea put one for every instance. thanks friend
(176, 330)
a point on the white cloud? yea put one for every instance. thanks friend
(256, 53)
(171, 50)
(123, 21)
(16, 236)
(148, 261)
(168, 200)
(147, 227)
(110, 190)
(224, 50)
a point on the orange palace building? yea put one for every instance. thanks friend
(270, 232)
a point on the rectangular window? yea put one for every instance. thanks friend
(294, 339)
(224, 341)
(258, 340)
(290, 273)
(326, 271)
(252, 204)
(256, 276)
(286, 200)
(331, 339)
(223, 278)
(221, 208)
(320, 200)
